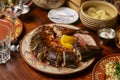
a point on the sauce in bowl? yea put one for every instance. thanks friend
(107, 33)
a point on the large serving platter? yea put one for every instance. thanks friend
(99, 69)
(31, 60)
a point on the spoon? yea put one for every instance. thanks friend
(15, 46)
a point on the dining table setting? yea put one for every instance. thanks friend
(59, 40)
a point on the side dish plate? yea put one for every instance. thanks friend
(63, 15)
(99, 69)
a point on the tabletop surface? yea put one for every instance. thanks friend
(17, 69)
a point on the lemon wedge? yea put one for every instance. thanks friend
(68, 41)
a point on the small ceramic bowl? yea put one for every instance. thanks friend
(106, 33)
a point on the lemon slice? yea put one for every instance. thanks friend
(68, 41)
(67, 45)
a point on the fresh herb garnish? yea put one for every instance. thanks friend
(117, 70)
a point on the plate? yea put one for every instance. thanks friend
(99, 69)
(63, 15)
(49, 4)
(17, 30)
(31, 60)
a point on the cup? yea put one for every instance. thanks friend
(5, 42)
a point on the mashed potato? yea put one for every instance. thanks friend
(97, 14)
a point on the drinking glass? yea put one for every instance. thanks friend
(12, 9)
(5, 42)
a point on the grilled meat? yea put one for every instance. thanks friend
(45, 43)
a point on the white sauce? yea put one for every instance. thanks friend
(107, 34)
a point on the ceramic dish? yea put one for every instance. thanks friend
(99, 69)
(31, 60)
(48, 4)
(106, 33)
(63, 15)
(17, 30)
(87, 12)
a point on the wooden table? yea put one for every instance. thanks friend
(18, 69)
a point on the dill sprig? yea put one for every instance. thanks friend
(117, 70)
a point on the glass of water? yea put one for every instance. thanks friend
(5, 42)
